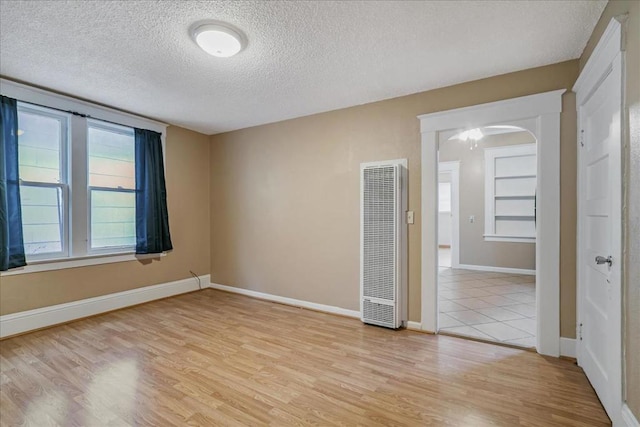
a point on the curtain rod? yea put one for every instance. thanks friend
(17, 91)
(76, 113)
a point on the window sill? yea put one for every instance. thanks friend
(513, 239)
(61, 264)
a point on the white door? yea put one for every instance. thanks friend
(599, 236)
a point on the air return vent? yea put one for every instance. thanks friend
(382, 237)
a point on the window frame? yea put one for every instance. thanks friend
(110, 127)
(77, 209)
(64, 184)
(490, 156)
(109, 249)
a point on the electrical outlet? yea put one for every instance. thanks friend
(472, 219)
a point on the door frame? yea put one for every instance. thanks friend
(607, 58)
(540, 115)
(453, 168)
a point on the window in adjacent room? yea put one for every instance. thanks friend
(444, 197)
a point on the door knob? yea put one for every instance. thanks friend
(603, 260)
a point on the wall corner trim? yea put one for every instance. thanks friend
(25, 321)
(568, 347)
(628, 418)
(288, 301)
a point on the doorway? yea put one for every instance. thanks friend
(445, 222)
(489, 292)
(540, 115)
(448, 214)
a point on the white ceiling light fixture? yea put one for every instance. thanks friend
(471, 135)
(218, 39)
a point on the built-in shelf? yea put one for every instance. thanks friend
(514, 176)
(510, 186)
(527, 196)
(516, 217)
(512, 239)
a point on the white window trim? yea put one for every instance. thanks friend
(82, 261)
(41, 97)
(490, 154)
(26, 93)
(64, 183)
(86, 197)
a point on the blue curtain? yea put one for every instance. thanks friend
(152, 218)
(11, 239)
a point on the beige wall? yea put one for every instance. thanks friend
(285, 196)
(474, 250)
(187, 174)
(631, 190)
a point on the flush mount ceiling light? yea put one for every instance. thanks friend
(218, 40)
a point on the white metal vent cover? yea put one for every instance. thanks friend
(382, 246)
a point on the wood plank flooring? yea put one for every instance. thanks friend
(213, 358)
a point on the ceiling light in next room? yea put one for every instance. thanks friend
(471, 135)
(218, 39)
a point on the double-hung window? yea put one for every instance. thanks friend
(112, 206)
(77, 179)
(74, 167)
(44, 186)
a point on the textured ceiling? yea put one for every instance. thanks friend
(302, 58)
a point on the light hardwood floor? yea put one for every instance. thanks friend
(214, 358)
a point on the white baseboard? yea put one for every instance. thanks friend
(288, 301)
(568, 347)
(496, 269)
(628, 418)
(24, 321)
(414, 326)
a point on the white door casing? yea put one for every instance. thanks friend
(540, 115)
(599, 105)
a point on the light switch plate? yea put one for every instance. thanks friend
(409, 217)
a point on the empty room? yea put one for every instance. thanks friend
(353, 213)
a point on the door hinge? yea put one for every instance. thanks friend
(582, 137)
(580, 332)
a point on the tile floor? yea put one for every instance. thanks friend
(492, 306)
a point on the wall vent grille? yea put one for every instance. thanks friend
(381, 211)
(379, 240)
(379, 314)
